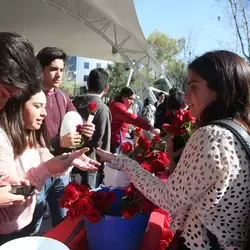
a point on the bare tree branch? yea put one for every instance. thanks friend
(234, 8)
(246, 27)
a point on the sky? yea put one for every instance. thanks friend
(180, 18)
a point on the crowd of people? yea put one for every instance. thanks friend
(208, 190)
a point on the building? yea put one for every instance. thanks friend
(80, 67)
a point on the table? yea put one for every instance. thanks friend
(151, 238)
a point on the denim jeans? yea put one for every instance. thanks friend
(93, 179)
(50, 194)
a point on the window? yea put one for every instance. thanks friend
(98, 65)
(86, 65)
(85, 78)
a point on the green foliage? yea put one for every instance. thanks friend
(164, 47)
(168, 51)
(118, 76)
(69, 86)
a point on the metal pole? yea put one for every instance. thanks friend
(131, 70)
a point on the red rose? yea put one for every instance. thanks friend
(65, 203)
(189, 117)
(70, 193)
(163, 157)
(156, 138)
(79, 128)
(102, 205)
(138, 131)
(179, 118)
(92, 107)
(83, 190)
(72, 213)
(85, 206)
(168, 128)
(94, 216)
(144, 143)
(146, 166)
(126, 147)
(157, 166)
(130, 212)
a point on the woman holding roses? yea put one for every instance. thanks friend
(24, 154)
(121, 118)
(208, 193)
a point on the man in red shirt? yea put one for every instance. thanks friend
(53, 61)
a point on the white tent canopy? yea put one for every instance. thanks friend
(104, 29)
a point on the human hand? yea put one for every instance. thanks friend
(8, 199)
(70, 140)
(88, 129)
(10, 180)
(62, 163)
(105, 155)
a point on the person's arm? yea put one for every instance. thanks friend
(205, 166)
(122, 114)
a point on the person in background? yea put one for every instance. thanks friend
(98, 86)
(160, 109)
(148, 111)
(24, 153)
(121, 118)
(17, 57)
(160, 99)
(175, 101)
(53, 61)
(137, 106)
(148, 114)
(208, 192)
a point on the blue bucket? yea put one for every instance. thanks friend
(114, 232)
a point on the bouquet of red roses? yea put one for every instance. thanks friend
(181, 127)
(83, 202)
(146, 152)
(79, 128)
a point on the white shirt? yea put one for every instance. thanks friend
(209, 189)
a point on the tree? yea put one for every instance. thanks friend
(69, 85)
(118, 75)
(164, 47)
(239, 14)
(174, 54)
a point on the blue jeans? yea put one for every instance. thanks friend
(51, 193)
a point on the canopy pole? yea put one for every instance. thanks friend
(130, 73)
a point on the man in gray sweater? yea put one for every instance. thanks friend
(97, 86)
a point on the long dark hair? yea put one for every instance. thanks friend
(228, 75)
(11, 121)
(17, 59)
(125, 92)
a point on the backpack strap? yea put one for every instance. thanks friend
(244, 138)
(237, 130)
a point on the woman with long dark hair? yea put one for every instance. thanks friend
(208, 194)
(121, 117)
(24, 154)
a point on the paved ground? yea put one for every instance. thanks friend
(46, 226)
